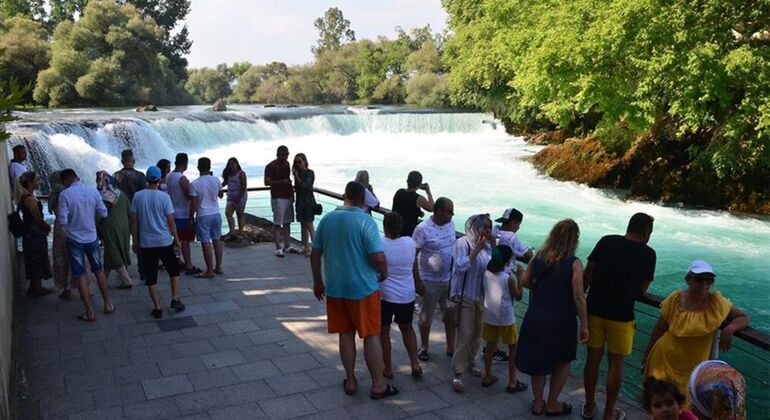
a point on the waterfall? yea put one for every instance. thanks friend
(89, 140)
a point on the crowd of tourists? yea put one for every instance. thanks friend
(370, 281)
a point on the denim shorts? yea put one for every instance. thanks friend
(79, 252)
(209, 227)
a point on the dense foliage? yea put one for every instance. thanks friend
(621, 69)
(112, 55)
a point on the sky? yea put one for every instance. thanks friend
(261, 31)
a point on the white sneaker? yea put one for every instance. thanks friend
(279, 253)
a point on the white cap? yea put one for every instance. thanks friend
(700, 267)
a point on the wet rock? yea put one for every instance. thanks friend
(147, 108)
(220, 105)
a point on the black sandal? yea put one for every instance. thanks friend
(519, 387)
(390, 391)
(566, 410)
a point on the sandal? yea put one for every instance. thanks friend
(621, 414)
(519, 387)
(583, 412)
(108, 309)
(537, 413)
(492, 381)
(86, 318)
(291, 250)
(417, 373)
(390, 391)
(348, 391)
(192, 270)
(457, 386)
(423, 355)
(203, 276)
(566, 410)
(475, 372)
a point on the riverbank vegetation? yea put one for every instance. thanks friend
(670, 99)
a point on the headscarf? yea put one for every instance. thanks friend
(54, 181)
(718, 391)
(106, 185)
(474, 226)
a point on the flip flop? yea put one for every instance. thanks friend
(390, 391)
(519, 387)
(566, 410)
(84, 317)
(423, 355)
(219, 273)
(192, 270)
(417, 373)
(109, 309)
(203, 276)
(345, 387)
(476, 372)
(537, 413)
(457, 386)
(490, 383)
(583, 412)
(621, 414)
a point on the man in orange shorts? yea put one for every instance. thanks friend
(348, 242)
(620, 269)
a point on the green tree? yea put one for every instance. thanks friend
(33, 9)
(25, 50)
(333, 31)
(110, 56)
(207, 85)
(250, 81)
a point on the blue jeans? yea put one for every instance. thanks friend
(79, 252)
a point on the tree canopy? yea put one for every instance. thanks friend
(333, 31)
(112, 55)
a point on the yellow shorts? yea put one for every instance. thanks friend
(503, 334)
(619, 336)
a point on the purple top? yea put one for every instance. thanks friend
(234, 190)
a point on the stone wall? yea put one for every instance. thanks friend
(7, 279)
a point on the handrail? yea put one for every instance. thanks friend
(750, 335)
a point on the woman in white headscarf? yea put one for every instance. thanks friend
(472, 254)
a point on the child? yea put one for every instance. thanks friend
(663, 400)
(499, 320)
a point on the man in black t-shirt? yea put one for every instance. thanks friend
(619, 270)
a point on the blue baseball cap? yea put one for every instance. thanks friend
(153, 174)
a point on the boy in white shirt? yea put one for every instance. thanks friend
(499, 319)
(205, 193)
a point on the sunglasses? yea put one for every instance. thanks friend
(703, 279)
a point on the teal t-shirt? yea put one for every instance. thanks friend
(347, 237)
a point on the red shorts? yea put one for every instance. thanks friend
(184, 229)
(347, 315)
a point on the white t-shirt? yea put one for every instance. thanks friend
(512, 240)
(498, 305)
(436, 244)
(206, 190)
(174, 189)
(15, 169)
(370, 201)
(399, 286)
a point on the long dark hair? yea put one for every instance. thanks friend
(226, 172)
(294, 163)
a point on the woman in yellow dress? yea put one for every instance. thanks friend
(688, 321)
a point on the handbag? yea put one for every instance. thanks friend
(15, 224)
(318, 209)
(452, 312)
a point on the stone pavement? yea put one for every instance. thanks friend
(251, 344)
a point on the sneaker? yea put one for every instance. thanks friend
(157, 313)
(279, 253)
(177, 304)
(500, 357)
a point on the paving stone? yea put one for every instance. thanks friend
(291, 384)
(255, 370)
(286, 407)
(142, 328)
(102, 334)
(331, 397)
(164, 387)
(416, 402)
(212, 378)
(136, 373)
(268, 336)
(376, 410)
(262, 352)
(191, 348)
(221, 306)
(296, 363)
(88, 382)
(102, 413)
(244, 411)
(180, 366)
(462, 411)
(119, 395)
(164, 338)
(64, 405)
(240, 341)
(200, 401)
(151, 410)
(333, 414)
(238, 327)
(248, 392)
(223, 358)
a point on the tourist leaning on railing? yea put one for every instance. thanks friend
(688, 321)
(234, 179)
(304, 179)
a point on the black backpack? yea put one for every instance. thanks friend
(15, 224)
